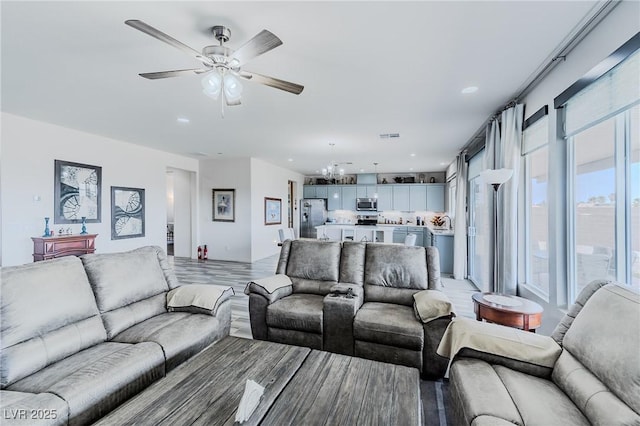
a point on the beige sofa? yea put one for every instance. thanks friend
(80, 336)
(591, 378)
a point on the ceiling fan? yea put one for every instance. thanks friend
(221, 64)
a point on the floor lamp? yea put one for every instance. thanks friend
(495, 178)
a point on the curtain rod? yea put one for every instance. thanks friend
(597, 13)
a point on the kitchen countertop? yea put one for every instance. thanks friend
(444, 232)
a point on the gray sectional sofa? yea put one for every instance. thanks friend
(378, 322)
(593, 377)
(79, 336)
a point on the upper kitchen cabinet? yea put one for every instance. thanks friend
(400, 198)
(314, 191)
(365, 191)
(341, 197)
(417, 198)
(435, 197)
(385, 198)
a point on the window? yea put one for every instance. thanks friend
(535, 154)
(601, 125)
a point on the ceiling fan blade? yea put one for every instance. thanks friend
(148, 29)
(263, 42)
(272, 82)
(167, 74)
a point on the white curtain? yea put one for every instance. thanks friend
(460, 226)
(508, 157)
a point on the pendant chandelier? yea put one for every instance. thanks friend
(331, 171)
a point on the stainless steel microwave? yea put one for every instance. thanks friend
(367, 204)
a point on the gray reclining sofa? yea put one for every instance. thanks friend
(594, 380)
(377, 323)
(81, 336)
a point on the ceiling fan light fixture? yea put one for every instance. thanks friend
(232, 87)
(212, 84)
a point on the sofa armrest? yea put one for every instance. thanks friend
(430, 305)
(271, 288)
(339, 309)
(198, 298)
(503, 345)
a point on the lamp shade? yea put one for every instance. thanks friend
(212, 84)
(495, 177)
(232, 87)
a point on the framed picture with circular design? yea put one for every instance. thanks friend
(127, 212)
(77, 192)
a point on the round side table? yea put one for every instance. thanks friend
(512, 311)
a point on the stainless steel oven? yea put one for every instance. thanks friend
(367, 204)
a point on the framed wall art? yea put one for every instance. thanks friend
(127, 212)
(77, 192)
(272, 211)
(224, 205)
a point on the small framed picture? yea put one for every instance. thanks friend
(127, 212)
(224, 205)
(272, 211)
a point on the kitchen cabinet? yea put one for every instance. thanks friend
(435, 198)
(419, 235)
(417, 198)
(400, 198)
(365, 191)
(399, 235)
(385, 198)
(341, 197)
(444, 244)
(349, 196)
(314, 191)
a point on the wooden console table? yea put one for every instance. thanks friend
(45, 248)
(512, 311)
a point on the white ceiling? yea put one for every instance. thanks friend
(367, 67)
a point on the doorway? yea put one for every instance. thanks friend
(180, 211)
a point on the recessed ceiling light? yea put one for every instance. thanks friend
(412, 154)
(470, 89)
(361, 170)
(410, 169)
(442, 163)
(183, 120)
(290, 159)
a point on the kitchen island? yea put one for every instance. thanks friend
(380, 234)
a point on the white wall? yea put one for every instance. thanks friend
(29, 149)
(271, 181)
(226, 240)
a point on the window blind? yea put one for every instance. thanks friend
(535, 136)
(614, 92)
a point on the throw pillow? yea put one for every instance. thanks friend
(198, 298)
(432, 304)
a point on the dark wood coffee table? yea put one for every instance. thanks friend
(302, 386)
(512, 311)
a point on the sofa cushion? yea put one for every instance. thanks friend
(21, 408)
(539, 401)
(393, 273)
(389, 324)
(48, 313)
(96, 380)
(119, 279)
(599, 339)
(302, 312)
(590, 395)
(352, 263)
(118, 320)
(181, 335)
(313, 266)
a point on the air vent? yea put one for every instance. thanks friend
(389, 135)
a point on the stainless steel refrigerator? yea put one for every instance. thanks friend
(313, 212)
